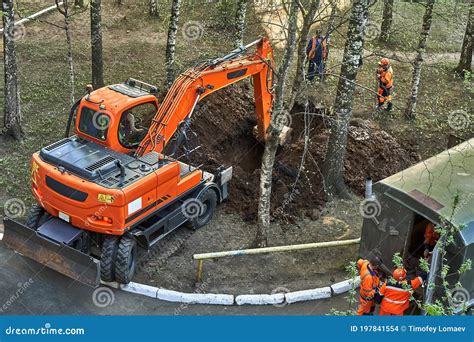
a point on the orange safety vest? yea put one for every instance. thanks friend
(312, 52)
(368, 281)
(386, 77)
(396, 295)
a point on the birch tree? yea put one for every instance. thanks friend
(171, 42)
(66, 11)
(240, 15)
(96, 44)
(12, 114)
(308, 18)
(333, 167)
(465, 61)
(410, 111)
(153, 8)
(387, 19)
(273, 135)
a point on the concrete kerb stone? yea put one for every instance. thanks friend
(227, 299)
(304, 295)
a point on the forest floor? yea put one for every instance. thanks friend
(378, 145)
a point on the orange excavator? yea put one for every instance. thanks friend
(117, 185)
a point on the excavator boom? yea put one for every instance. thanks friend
(198, 82)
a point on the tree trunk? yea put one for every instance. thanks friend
(70, 61)
(12, 114)
(171, 42)
(240, 22)
(387, 19)
(96, 44)
(301, 62)
(330, 28)
(333, 167)
(153, 8)
(465, 62)
(274, 131)
(410, 111)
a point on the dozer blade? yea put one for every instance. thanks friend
(57, 256)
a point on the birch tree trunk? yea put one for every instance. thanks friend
(301, 61)
(410, 111)
(12, 114)
(274, 131)
(153, 8)
(171, 42)
(387, 19)
(333, 167)
(96, 44)
(240, 15)
(465, 61)
(70, 60)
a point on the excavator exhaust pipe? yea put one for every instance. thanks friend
(57, 256)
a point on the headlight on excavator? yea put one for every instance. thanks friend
(97, 219)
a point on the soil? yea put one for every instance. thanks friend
(222, 134)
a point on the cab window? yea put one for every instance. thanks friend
(134, 124)
(94, 123)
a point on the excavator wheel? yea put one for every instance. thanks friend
(125, 260)
(37, 217)
(209, 202)
(107, 258)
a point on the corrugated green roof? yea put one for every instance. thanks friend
(435, 181)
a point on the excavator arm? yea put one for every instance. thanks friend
(198, 82)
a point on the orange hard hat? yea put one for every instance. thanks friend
(384, 61)
(400, 274)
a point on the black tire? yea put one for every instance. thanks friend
(37, 216)
(209, 203)
(107, 258)
(126, 260)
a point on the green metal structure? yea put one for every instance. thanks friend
(401, 205)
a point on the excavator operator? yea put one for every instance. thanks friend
(131, 132)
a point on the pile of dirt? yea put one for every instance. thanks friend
(222, 128)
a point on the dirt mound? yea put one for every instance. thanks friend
(222, 128)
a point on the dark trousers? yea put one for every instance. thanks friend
(315, 67)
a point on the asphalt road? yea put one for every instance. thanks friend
(28, 288)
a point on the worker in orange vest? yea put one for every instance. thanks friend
(385, 83)
(316, 52)
(431, 238)
(394, 295)
(369, 284)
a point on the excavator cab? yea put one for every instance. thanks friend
(116, 116)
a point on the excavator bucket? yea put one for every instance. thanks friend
(53, 254)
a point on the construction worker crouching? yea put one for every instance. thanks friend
(394, 295)
(316, 52)
(369, 284)
(385, 82)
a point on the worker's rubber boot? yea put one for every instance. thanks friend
(389, 106)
